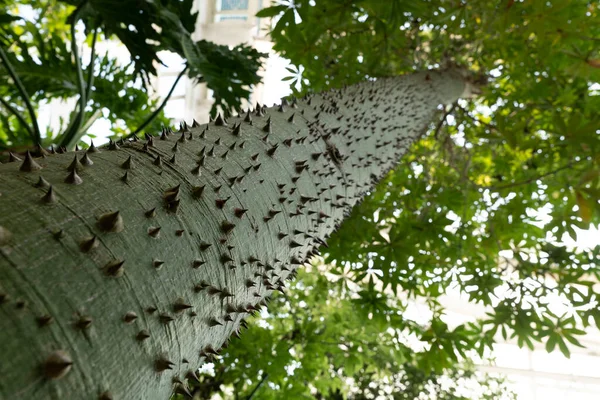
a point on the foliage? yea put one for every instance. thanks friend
(220, 67)
(144, 27)
(321, 341)
(483, 202)
(480, 206)
(47, 72)
(41, 48)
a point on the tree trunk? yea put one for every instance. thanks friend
(124, 275)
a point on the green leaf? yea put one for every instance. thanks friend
(585, 207)
(217, 65)
(551, 342)
(271, 11)
(563, 348)
(145, 27)
(6, 18)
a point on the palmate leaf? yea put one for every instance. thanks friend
(45, 81)
(43, 64)
(131, 107)
(8, 131)
(471, 188)
(148, 26)
(145, 27)
(228, 72)
(51, 74)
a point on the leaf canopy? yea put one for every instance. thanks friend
(482, 204)
(485, 206)
(39, 45)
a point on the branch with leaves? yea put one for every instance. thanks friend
(156, 112)
(35, 131)
(58, 73)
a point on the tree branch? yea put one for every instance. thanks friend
(18, 115)
(90, 78)
(264, 378)
(78, 120)
(439, 125)
(532, 179)
(35, 132)
(162, 105)
(475, 119)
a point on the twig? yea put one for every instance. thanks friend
(475, 119)
(90, 79)
(36, 135)
(78, 120)
(159, 109)
(439, 125)
(264, 378)
(532, 179)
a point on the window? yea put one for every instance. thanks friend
(229, 5)
(230, 17)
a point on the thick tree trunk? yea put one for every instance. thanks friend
(124, 275)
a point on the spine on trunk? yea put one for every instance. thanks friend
(124, 268)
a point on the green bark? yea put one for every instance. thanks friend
(97, 303)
